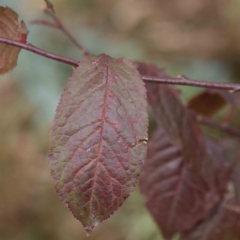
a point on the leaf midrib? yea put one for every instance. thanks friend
(101, 137)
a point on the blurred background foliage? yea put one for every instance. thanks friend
(197, 38)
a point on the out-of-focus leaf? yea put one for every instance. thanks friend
(173, 117)
(218, 169)
(148, 69)
(224, 224)
(49, 5)
(185, 175)
(177, 196)
(234, 119)
(97, 144)
(10, 28)
(235, 155)
(236, 182)
(231, 146)
(207, 103)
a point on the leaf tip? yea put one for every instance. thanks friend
(89, 229)
(49, 5)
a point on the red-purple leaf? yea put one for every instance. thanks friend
(96, 147)
(217, 170)
(148, 69)
(177, 196)
(207, 103)
(224, 224)
(232, 147)
(175, 119)
(236, 180)
(185, 175)
(210, 101)
(170, 113)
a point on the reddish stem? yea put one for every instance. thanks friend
(181, 80)
(31, 48)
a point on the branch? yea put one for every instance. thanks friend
(222, 127)
(177, 81)
(182, 80)
(58, 24)
(31, 48)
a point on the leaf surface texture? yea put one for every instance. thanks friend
(96, 146)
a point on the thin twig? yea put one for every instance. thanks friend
(67, 33)
(44, 23)
(31, 48)
(58, 24)
(222, 127)
(181, 80)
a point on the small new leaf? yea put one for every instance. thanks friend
(10, 28)
(95, 153)
(49, 5)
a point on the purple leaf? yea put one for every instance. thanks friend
(210, 101)
(97, 144)
(177, 196)
(224, 224)
(185, 174)
(179, 124)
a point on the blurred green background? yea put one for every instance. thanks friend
(199, 39)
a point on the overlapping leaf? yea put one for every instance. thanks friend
(232, 146)
(10, 28)
(173, 117)
(207, 103)
(236, 180)
(185, 175)
(223, 225)
(97, 144)
(176, 195)
(210, 101)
